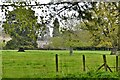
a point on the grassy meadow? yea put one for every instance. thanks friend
(41, 64)
(0, 64)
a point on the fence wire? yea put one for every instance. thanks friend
(74, 64)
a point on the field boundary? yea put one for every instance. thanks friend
(105, 65)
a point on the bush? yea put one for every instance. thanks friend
(24, 43)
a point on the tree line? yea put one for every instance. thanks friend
(74, 24)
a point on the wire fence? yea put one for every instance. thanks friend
(87, 63)
(49, 64)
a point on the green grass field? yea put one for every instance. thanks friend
(0, 64)
(41, 64)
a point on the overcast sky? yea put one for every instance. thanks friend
(41, 1)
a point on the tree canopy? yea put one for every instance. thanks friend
(21, 24)
(104, 24)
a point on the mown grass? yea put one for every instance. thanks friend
(41, 64)
(0, 64)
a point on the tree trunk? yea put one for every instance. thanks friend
(118, 53)
(119, 32)
(21, 49)
(71, 51)
(114, 47)
(113, 51)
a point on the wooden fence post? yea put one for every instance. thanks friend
(116, 63)
(105, 62)
(83, 62)
(56, 60)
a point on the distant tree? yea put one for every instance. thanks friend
(70, 39)
(21, 24)
(62, 10)
(56, 27)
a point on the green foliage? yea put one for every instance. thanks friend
(56, 31)
(17, 43)
(78, 38)
(1, 45)
(104, 24)
(21, 24)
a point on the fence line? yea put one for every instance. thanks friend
(105, 65)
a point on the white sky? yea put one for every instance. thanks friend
(41, 1)
(44, 1)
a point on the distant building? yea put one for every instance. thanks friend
(43, 39)
(42, 44)
(4, 37)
